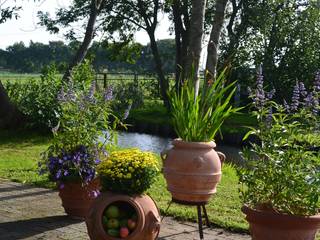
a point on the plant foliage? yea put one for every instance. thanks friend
(198, 118)
(282, 173)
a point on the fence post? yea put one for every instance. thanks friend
(105, 80)
(136, 79)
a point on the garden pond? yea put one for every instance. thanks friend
(156, 144)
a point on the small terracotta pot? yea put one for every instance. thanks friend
(266, 225)
(192, 170)
(77, 199)
(148, 217)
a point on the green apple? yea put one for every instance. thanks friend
(113, 233)
(113, 223)
(112, 212)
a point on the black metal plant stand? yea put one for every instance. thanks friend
(201, 207)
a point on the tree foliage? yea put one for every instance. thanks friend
(282, 35)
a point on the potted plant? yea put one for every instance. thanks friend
(122, 210)
(192, 168)
(280, 182)
(76, 149)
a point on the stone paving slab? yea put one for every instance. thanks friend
(31, 213)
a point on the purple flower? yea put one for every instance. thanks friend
(108, 94)
(90, 96)
(58, 174)
(308, 100)
(61, 95)
(295, 97)
(286, 106)
(316, 86)
(71, 95)
(61, 186)
(302, 89)
(269, 118)
(126, 113)
(271, 94)
(97, 161)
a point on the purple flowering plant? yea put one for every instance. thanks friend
(281, 172)
(75, 150)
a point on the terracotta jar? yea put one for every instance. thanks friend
(147, 222)
(192, 170)
(77, 199)
(271, 225)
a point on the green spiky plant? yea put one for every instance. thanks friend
(199, 117)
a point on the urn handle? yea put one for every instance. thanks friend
(222, 157)
(154, 224)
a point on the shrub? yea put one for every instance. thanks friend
(282, 173)
(37, 99)
(128, 171)
(76, 148)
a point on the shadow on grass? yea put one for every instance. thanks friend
(27, 228)
(13, 138)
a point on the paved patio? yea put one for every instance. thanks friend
(28, 212)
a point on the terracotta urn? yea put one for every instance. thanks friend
(77, 198)
(146, 221)
(266, 225)
(192, 170)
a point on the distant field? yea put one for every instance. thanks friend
(17, 77)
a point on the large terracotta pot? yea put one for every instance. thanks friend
(148, 217)
(192, 170)
(266, 225)
(77, 198)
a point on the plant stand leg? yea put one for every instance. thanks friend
(200, 222)
(166, 211)
(206, 215)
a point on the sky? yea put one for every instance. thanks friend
(26, 28)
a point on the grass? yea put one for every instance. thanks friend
(20, 151)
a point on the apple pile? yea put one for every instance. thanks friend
(119, 221)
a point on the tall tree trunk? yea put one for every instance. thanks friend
(89, 34)
(213, 46)
(164, 85)
(181, 39)
(195, 41)
(10, 116)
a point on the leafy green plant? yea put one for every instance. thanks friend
(38, 99)
(128, 171)
(282, 174)
(76, 148)
(199, 118)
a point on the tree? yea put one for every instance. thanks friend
(213, 46)
(195, 41)
(91, 9)
(283, 36)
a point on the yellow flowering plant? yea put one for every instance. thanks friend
(129, 171)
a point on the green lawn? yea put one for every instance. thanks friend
(19, 153)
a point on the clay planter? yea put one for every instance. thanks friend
(147, 221)
(192, 170)
(271, 225)
(77, 199)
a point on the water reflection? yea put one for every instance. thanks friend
(147, 142)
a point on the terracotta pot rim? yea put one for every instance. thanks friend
(178, 142)
(256, 216)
